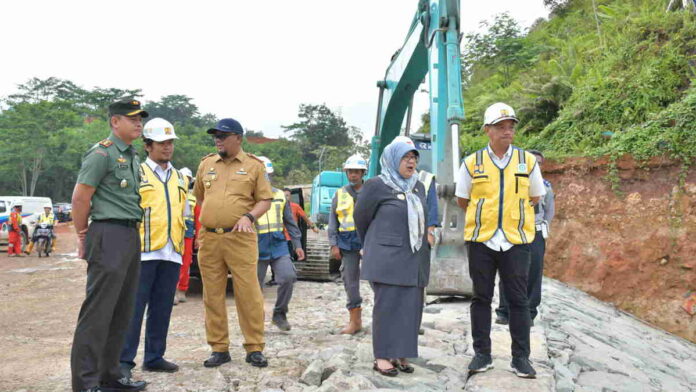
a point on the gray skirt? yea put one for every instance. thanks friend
(396, 318)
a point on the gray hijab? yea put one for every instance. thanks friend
(390, 161)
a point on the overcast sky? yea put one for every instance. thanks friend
(256, 61)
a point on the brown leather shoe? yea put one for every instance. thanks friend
(355, 323)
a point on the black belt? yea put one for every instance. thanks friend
(219, 230)
(123, 222)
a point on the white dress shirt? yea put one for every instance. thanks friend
(167, 253)
(536, 188)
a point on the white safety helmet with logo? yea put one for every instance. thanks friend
(355, 162)
(267, 164)
(187, 172)
(499, 112)
(159, 130)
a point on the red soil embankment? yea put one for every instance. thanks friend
(635, 248)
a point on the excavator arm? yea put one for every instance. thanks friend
(431, 49)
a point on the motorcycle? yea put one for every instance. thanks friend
(44, 238)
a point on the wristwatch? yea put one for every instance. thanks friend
(251, 217)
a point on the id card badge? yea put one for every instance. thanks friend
(544, 230)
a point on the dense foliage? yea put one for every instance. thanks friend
(48, 124)
(599, 77)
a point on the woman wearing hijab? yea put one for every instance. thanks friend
(390, 217)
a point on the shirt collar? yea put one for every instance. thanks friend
(507, 154)
(120, 144)
(241, 157)
(153, 165)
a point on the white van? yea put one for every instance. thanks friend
(32, 207)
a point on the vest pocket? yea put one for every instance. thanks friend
(522, 184)
(481, 187)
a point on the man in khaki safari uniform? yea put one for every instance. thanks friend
(233, 191)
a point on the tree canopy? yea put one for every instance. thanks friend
(48, 124)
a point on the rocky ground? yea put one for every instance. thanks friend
(580, 344)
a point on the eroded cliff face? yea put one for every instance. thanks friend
(635, 247)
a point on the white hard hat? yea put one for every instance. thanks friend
(404, 139)
(268, 164)
(355, 162)
(159, 130)
(186, 171)
(499, 112)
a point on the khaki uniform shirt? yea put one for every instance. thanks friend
(230, 188)
(113, 168)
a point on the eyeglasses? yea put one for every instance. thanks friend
(221, 136)
(410, 157)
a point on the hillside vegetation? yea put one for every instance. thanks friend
(605, 80)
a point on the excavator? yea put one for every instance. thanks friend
(431, 49)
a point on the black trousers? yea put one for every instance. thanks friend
(113, 269)
(513, 267)
(534, 278)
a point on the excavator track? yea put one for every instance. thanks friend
(318, 264)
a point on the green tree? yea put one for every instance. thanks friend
(502, 49)
(320, 129)
(32, 131)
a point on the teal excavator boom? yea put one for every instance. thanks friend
(431, 49)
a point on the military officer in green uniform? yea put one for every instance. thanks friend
(107, 192)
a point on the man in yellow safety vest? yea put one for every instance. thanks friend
(163, 191)
(274, 252)
(49, 219)
(500, 184)
(344, 240)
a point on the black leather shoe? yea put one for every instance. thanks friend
(123, 384)
(93, 389)
(257, 359)
(216, 359)
(161, 366)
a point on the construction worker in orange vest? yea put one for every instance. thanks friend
(14, 227)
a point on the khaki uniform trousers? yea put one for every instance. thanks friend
(236, 252)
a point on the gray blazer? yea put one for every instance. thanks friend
(381, 220)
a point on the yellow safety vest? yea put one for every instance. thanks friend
(344, 210)
(426, 178)
(49, 220)
(191, 200)
(272, 220)
(163, 207)
(497, 191)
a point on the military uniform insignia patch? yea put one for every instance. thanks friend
(121, 159)
(106, 143)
